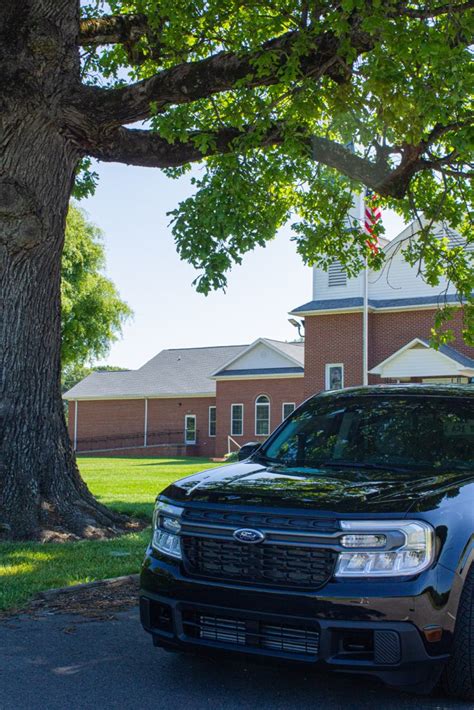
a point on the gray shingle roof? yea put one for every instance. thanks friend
(172, 372)
(294, 350)
(180, 372)
(334, 304)
(329, 304)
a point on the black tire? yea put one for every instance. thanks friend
(458, 675)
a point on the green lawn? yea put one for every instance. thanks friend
(128, 485)
(131, 485)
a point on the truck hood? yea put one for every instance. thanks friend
(342, 490)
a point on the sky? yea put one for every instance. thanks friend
(130, 206)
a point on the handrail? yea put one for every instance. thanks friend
(154, 438)
(230, 439)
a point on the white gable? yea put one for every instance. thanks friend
(396, 280)
(260, 356)
(265, 354)
(417, 359)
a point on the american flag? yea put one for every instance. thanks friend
(372, 215)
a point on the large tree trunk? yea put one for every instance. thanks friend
(40, 486)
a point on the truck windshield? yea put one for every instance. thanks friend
(377, 431)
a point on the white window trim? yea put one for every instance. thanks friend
(186, 417)
(285, 404)
(236, 404)
(263, 404)
(212, 406)
(327, 370)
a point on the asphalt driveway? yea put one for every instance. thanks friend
(58, 662)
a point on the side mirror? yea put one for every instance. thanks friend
(247, 450)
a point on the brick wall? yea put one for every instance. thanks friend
(338, 338)
(390, 331)
(245, 392)
(169, 414)
(115, 424)
(329, 339)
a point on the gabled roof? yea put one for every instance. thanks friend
(355, 302)
(179, 372)
(291, 356)
(456, 356)
(443, 361)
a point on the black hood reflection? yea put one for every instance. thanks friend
(339, 490)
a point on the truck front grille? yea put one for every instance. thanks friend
(279, 565)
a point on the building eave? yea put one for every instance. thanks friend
(104, 398)
(222, 378)
(377, 306)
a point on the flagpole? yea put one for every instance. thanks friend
(365, 313)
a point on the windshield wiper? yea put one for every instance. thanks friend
(258, 456)
(371, 466)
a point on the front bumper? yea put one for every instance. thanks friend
(339, 627)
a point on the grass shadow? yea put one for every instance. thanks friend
(29, 568)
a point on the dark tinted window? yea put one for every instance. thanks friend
(409, 431)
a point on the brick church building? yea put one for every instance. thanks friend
(373, 328)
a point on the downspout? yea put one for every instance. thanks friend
(145, 426)
(76, 409)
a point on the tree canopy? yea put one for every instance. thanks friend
(289, 106)
(92, 312)
(294, 107)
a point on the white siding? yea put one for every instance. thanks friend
(397, 279)
(353, 288)
(260, 357)
(420, 362)
(322, 290)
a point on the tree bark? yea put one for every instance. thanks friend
(40, 486)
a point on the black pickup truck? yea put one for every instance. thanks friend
(345, 541)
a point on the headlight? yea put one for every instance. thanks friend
(407, 548)
(166, 529)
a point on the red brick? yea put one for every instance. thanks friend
(245, 392)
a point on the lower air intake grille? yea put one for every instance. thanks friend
(214, 628)
(287, 638)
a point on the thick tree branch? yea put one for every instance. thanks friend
(440, 129)
(113, 29)
(428, 12)
(148, 149)
(191, 81)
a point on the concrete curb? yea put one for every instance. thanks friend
(111, 582)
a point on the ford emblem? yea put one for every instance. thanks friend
(249, 536)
